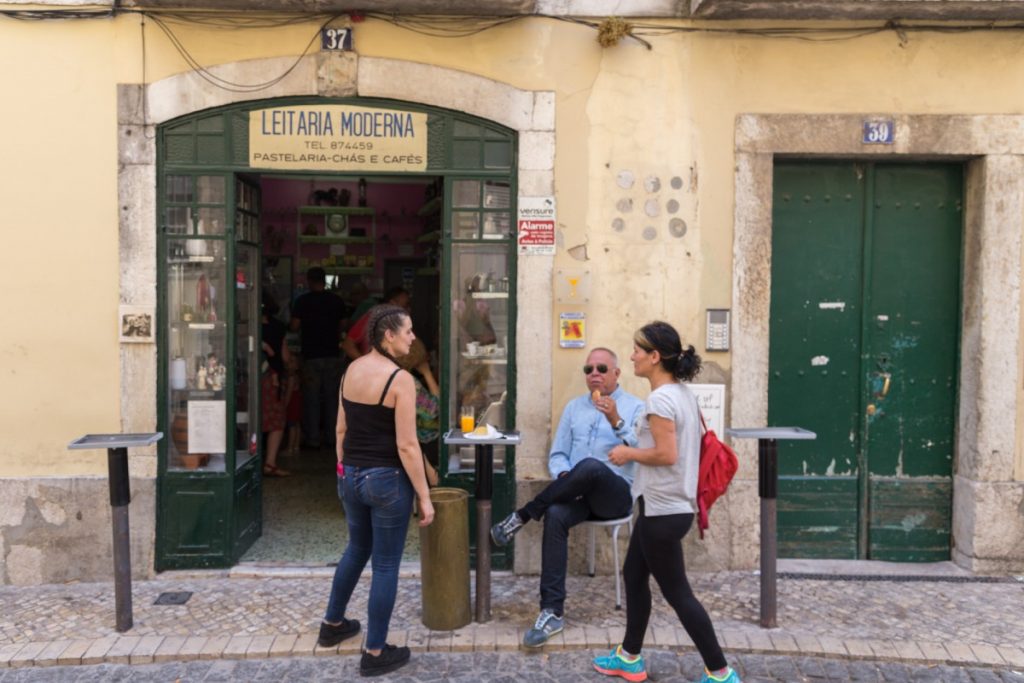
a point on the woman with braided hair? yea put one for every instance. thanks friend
(380, 469)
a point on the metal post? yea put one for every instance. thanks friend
(120, 496)
(484, 492)
(767, 487)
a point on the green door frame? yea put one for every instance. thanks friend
(214, 142)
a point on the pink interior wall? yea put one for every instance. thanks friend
(397, 222)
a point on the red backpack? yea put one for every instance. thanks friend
(718, 464)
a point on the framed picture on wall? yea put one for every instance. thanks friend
(278, 282)
(136, 324)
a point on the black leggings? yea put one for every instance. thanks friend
(656, 548)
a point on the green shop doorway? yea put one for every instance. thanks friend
(233, 226)
(865, 323)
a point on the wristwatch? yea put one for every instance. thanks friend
(619, 425)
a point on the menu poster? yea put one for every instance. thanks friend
(206, 426)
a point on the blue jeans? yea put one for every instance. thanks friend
(378, 505)
(589, 490)
(321, 378)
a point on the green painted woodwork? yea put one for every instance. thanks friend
(193, 512)
(865, 287)
(247, 505)
(208, 519)
(817, 512)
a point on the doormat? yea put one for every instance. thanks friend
(173, 598)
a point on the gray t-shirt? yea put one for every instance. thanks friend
(670, 489)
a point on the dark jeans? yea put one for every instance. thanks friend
(590, 490)
(321, 378)
(378, 505)
(656, 548)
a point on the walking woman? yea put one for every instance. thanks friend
(380, 468)
(665, 489)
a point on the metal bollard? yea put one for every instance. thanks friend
(444, 561)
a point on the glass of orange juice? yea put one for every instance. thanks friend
(467, 419)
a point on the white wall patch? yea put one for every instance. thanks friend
(832, 305)
(819, 360)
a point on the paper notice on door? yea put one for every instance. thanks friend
(206, 430)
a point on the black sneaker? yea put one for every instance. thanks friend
(331, 635)
(503, 531)
(390, 659)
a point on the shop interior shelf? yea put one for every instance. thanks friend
(431, 207)
(327, 239)
(342, 270)
(333, 210)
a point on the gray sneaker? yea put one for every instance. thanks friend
(547, 625)
(503, 531)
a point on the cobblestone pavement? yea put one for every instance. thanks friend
(970, 623)
(560, 667)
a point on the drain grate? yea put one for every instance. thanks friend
(173, 598)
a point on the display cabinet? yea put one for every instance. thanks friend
(481, 344)
(209, 316)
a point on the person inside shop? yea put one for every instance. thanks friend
(586, 485)
(318, 314)
(667, 461)
(273, 383)
(356, 344)
(428, 402)
(360, 301)
(380, 469)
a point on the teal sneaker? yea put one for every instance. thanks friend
(613, 664)
(730, 677)
(547, 625)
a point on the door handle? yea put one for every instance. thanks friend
(885, 385)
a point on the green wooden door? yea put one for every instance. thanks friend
(864, 329)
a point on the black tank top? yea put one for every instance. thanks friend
(370, 439)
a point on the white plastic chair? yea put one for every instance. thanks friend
(616, 525)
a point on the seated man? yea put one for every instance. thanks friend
(585, 486)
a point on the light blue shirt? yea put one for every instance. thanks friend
(584, 432)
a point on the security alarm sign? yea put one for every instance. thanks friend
(536, 227)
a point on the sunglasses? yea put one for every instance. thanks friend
(601, 367)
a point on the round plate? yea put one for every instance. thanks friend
(337, 223)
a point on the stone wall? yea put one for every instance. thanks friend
(59, 529)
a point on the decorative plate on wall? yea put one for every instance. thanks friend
(337, 223)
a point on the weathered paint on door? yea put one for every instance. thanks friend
(864, 329)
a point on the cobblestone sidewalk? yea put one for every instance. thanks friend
(911, 622)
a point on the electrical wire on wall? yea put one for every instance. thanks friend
(609, 31)
(224, 83)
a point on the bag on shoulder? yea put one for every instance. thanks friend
(718, 465)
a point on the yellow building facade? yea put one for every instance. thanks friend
(662, 154)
